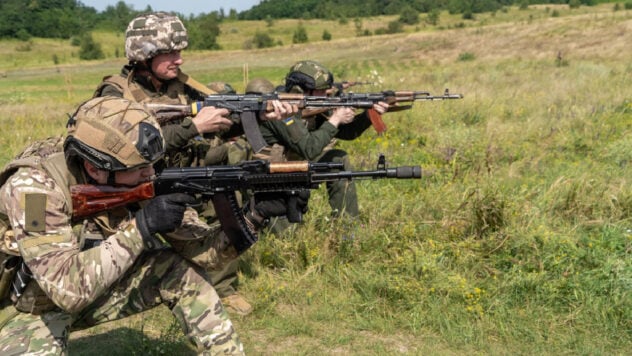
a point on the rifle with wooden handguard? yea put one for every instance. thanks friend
(397, 100)
(246, 106)
(219, 184)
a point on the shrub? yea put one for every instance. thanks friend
(300, 35)
(23, 35)
(262, 40)
(433, 17)
(326, 35)
(409, 17)
(90, 49)
(395, 27)
(466, 56)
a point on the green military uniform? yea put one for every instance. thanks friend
(310, 139)
(86, 271)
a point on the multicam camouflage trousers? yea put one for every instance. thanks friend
(156, 278)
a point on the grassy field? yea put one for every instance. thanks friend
(518, 240)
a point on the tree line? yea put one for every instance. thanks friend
(23, 19)
(335, 9)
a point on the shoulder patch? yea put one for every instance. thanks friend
(35, 212)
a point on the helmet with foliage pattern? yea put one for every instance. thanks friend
(151, 34)
(308, 75)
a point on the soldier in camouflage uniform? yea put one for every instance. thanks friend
(313, 138)
(153, 43)
(79, 272)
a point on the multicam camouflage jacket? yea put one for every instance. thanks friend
(64, 260)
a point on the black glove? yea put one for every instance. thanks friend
(268, 205)
(163, 213)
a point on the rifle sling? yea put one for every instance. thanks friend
(233, 222)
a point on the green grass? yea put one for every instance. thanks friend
(518, 240)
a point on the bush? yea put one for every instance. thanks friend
(628, 5)
(326, 35)
(409, 17)
(524, 4)
(75, 41)
(395, 27)
(574, 4)
(466, 56)
(433, 17)
(261, 40)
(300, 35)
(23, 35)
(90, 49)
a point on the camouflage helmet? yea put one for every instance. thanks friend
(151, 34)
(114, 134)
(221, 88)
(260, 86)
(309, 75)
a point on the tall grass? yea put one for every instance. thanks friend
(517, 240)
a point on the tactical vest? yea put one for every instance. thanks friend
(199, 151)
(45, 155)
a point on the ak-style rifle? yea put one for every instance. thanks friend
(246, 106)
(219, 184)
(397, 100)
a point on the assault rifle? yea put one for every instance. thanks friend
(398, 101)
(219, 184)
(246, 105)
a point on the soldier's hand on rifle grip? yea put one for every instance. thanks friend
(297, 205)
(211, 119)
(381, 107)
(162, 214)
(342, 116)
(268, 205)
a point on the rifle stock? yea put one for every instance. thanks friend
(219, 184)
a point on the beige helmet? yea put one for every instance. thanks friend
(260, 86)
(151, 34)
(221, 88)
(308, 75)
(114, 134)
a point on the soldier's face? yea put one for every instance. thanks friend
(165, 65)
(130, 177)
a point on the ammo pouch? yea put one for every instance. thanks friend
(273, 154)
